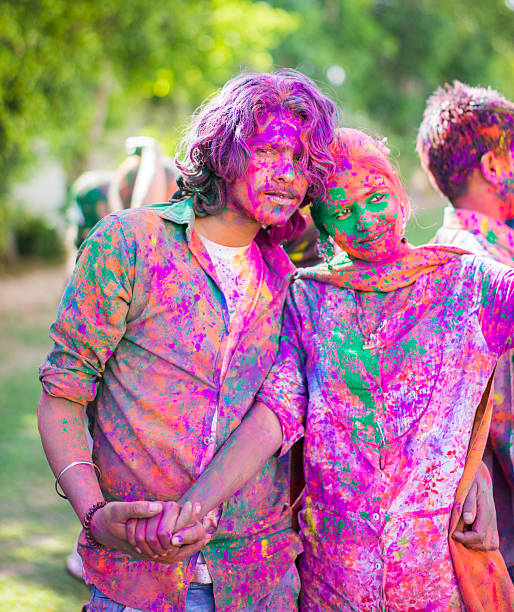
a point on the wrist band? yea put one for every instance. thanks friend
(67, 468)
(87, 524)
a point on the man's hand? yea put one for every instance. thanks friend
(156, 536)
(479, 515)
(109, 523)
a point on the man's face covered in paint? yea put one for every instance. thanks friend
(274, 184)
(364, 214)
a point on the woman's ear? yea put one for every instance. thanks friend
(323, 234)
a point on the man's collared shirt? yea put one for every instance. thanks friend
(143, 335)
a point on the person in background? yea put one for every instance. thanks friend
(466, 146)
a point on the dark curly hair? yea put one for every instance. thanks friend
(214, 147)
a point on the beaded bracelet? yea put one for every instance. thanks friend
(87, 524)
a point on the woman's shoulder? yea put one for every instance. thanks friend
(465, 278)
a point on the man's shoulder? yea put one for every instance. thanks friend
(461, 238)
(141, 222)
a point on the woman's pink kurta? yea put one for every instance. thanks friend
(386, 430)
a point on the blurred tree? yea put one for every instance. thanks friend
(66, 67)
(384, 57)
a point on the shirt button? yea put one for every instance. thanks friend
(378, 565)
(375, 517)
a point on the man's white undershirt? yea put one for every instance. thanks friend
(235, 269)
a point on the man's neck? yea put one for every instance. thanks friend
(228, 228)
(481, 198)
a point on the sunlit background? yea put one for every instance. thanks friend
(78, 77)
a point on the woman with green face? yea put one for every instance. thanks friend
(386, 352)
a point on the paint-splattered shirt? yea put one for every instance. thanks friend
(482, 235)
(386, 430)
(143, 330)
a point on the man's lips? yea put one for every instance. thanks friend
(285, 197)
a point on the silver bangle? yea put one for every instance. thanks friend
(67, 468)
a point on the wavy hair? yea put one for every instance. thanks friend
(214, 149)
(459, 125)
(356, 148)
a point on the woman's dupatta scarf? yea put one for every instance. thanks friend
(482, 577)
(382, 276)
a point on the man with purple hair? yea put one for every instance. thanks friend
(466, 146)
(167, 329)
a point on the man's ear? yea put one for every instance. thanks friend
(493, 167)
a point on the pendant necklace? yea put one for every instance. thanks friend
(371, 340)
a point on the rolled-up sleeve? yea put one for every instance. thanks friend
(91, 318)
(285, 389)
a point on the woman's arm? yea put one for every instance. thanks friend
(258, 437)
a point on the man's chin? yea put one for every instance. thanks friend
(274, 219)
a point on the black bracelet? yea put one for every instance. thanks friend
(87, 524)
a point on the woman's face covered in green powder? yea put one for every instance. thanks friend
(364, 214)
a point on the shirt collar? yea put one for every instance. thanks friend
(180, 212)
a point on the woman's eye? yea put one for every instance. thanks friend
(343, 213)
(377, 197)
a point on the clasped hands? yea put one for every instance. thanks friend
(160, 531)
(167, 532)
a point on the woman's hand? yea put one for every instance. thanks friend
(155, 537)
(479, 515)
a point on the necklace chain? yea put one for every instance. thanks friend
(371, 340)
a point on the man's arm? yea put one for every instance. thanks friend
(64, 441)
(479, 514)
(258, 437)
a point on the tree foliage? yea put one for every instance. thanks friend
(395, 52)
(65, 66)
(68, 69)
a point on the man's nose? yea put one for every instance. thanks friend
(285, 170)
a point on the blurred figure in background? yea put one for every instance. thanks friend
(466, 146)
(90, 201)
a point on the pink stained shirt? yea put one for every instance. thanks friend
(386, 431)
(143, 333)
(482, 235)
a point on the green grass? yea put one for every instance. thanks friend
(37, 528)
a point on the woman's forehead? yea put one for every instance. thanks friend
(359, 178)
